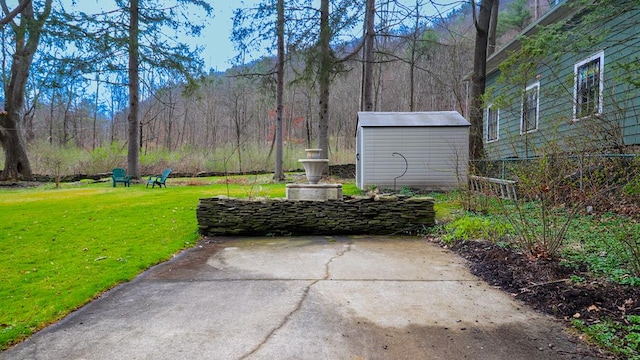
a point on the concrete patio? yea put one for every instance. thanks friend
(305, 298)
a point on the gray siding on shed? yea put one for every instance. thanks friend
(436, 151)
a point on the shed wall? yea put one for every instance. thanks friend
(436, 157)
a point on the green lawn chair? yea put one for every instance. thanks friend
(119, 175)
(160, 179)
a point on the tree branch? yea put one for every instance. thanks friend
(10, 15)
(473, 12)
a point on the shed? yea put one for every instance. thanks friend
(427, 150)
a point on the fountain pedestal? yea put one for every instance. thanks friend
(314, 167)
(318, 192)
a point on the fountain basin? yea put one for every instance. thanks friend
(313, 153)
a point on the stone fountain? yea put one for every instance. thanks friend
(314, 167)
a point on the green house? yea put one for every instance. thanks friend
(569, 83)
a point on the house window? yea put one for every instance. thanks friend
(530, 106)
(588, 86)
(493, 124)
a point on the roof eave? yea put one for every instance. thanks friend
(558, 13)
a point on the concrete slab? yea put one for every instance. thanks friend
(305, 298)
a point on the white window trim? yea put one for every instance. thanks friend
(486, 128)
(600, 55)
(537, 86)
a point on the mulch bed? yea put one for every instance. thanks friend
(546, 286)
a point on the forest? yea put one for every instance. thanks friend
(73, 110)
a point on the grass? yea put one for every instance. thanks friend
(61, 248)
(620, 338)
(448, 207)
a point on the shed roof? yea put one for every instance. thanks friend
(407, 119)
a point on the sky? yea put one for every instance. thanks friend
(215, 40)
(218, 50)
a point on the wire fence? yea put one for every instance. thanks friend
(576, 169)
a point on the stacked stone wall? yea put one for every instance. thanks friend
(379, 216)
(344, 171)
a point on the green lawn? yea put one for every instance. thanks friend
(60, 248)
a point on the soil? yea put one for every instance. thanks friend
(546, 285)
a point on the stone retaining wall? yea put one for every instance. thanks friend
(344, 171)
(381, 215)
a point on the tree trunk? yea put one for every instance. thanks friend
(478, 79)
(183, 133)
(324, 77)
(367, 91)
(94, 136)
(112, 129)
(308, 119)
(28, 121)
(134, 93)
(65, 118)
(16, 162)
(412, 62)
(51, 114)
(238, 128)
(493, 28)
(278, 173)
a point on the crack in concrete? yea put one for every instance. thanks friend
(345, 250)
(298, 306)
(283, 323)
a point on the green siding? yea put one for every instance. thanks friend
(620, 42)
